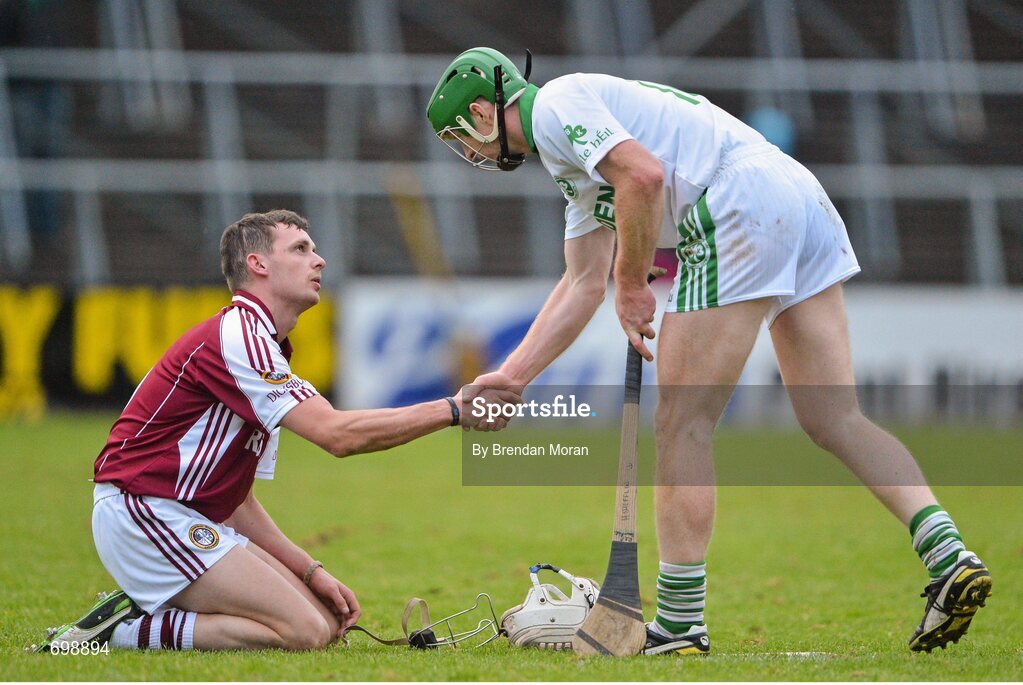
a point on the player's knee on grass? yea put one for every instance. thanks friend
(306, 630)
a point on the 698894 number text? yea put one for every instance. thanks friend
(79, 649)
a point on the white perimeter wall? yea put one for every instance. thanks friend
(396, 336)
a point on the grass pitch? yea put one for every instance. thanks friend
(806, 583)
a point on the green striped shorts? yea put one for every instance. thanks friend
(764, 227)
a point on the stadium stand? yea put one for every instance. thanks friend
(185, 114)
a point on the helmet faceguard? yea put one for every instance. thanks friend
(458, 629)
(479, 72)
(467, 629)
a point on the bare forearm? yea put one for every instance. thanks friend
(372, 430)
(353, 432)
(639, 211)
(251, 520)
(564, 315)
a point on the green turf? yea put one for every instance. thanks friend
(791, 569)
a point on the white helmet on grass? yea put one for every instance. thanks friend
(547, 618)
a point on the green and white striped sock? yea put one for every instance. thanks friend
(681, 597)
(936, 539)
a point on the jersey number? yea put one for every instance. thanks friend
(680, 94)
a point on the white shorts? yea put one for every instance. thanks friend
(763, 228)
(155, 547)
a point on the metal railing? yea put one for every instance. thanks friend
(332, 186)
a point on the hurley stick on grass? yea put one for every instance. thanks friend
(615, 624)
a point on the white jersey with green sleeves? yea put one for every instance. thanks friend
(578, 118)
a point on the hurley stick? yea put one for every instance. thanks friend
(615, 625)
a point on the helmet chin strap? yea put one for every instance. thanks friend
(506, 161)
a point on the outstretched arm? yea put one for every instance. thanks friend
(568, 308)
(343, 433)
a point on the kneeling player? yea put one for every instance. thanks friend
(175, 519)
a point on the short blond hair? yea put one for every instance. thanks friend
(252, 233)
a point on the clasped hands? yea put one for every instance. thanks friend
(482, 401)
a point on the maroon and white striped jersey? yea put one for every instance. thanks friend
(202, 418)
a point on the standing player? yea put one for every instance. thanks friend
(757, 239)
(176, 521)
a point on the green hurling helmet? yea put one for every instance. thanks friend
(471, 75)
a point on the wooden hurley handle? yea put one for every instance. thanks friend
(628, 450)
